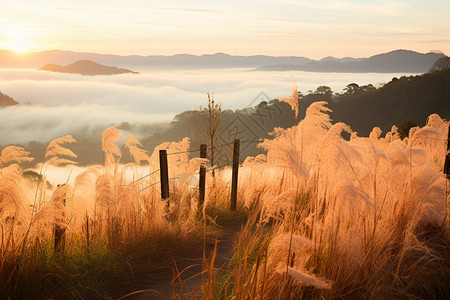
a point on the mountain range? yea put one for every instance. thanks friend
(394, 61)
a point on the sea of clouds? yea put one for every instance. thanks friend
(57, 104)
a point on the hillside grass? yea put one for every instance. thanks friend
(326, 217)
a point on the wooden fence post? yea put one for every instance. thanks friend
(202, 179)
(164, 175)
(447, 157)
(234, 176)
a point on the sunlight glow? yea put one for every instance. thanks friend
(19, 45)
(18, 40)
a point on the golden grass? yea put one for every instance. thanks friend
(352, 219)
(326, 217)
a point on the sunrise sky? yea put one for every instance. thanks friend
(288, 27)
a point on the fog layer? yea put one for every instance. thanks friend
(56, 104)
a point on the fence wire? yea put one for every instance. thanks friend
(141, 178)
(182, 152)
(149, 186)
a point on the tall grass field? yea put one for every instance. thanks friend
(326, 214)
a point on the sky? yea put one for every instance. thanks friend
(314, 29)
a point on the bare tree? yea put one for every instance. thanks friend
(206, 125)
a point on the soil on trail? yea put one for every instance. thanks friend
(156, 283)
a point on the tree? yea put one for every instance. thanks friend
(405, 126)
(207, 124)
(441, 64)
(351, 89)
(368, 88)
(324, 92)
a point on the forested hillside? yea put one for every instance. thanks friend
(404, 101)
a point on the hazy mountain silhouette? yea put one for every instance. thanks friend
(395, 61)
(11, 59)
(391, 62)
(345, 59)
(85, 67)
(5, 100)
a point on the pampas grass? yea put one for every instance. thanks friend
(105, 215)
(341, 218)
(292, 101)
(326, 217)
(14, 153)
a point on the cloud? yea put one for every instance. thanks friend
(187, 9)
(379, 7)
(60, 104)
(21, 124)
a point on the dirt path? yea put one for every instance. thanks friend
(159, 279)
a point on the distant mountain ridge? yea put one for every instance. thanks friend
(85, 67)
(10, 59)
(344, 59)
(391, 62)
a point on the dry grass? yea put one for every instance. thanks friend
(110, 222)
(326, 217)
(352, 219)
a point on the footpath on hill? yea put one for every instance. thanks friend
(156, 283)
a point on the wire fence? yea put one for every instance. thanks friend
(149, 186)
(137, 180)
(182, 152)
(186, 152)
(208, 169)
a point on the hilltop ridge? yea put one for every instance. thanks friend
(391, 62)
(6, 100)
(86, 67)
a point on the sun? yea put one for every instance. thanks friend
(19, 45)
(17, 40)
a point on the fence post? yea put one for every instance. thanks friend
(164, 175)
(202, 179)
(59, 232)
(234, 176)
(447, 156)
